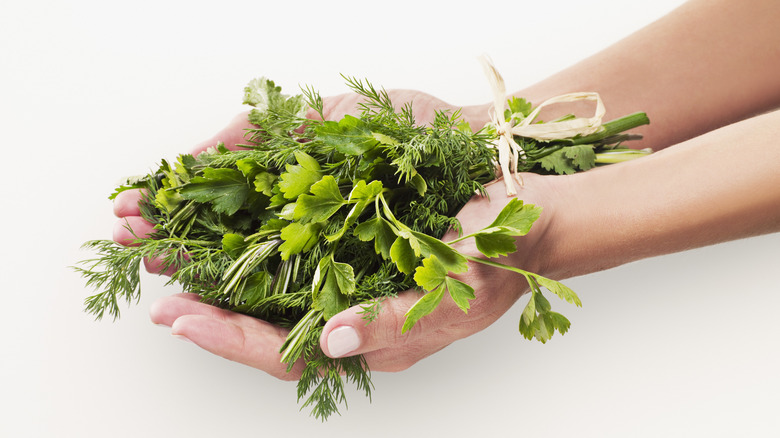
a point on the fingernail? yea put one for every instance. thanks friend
(342, 341)
(183, 338)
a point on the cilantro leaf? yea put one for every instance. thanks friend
(582, 156)
(557, 162)
(569, 159)
(518, 105)
(260, 92)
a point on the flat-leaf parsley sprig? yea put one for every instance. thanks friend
(314, 217)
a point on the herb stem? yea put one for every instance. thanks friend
(526, 274)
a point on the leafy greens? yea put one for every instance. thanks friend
(314, 217)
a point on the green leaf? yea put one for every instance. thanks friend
(529, 313)
(233, 245)
(334, 283)
(430, 274)
(542, 304)
(307, 161)
(520, 105)
(364, 193)
(557, 162)
(256, 288)
(385, 139)
(460, 292)
(361, 195)
(581, 156)
(329, 298)
(299, 238)
(324, 201)
(250, 168)
(558, 288)
(260, 92)
(225, 189)
(495, 244)
(168, 199)
(264, 183)
(378, 230)
(345, 277)
(422, 307)
(516, 218)
(569, 159)
(402, 254)
(450, 258)
(559, 322)
(298, 179)
(350, 135)
(418, 183)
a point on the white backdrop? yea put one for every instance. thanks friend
(90, 91)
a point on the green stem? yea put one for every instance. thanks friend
(526, 274)
(619, 156)
(613, 127)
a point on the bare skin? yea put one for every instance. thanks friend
(706, 76)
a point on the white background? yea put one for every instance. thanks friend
(91, 91)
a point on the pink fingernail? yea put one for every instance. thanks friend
(342, 341)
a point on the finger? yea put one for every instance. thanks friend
(126, 203)
(349, 334)
(231, 135)
(165, 310)
(235, 337)
(130, 228)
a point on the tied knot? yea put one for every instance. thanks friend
(509, 151)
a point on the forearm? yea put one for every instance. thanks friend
(721, 186)
(705, 65)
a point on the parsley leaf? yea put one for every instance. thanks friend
(350, 135)
(225, 189)
(324, 201)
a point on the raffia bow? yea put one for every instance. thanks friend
(509, 152)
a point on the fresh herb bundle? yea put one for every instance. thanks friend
(314, 217)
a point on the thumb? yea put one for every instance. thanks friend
(231, 135)
(349, 333)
